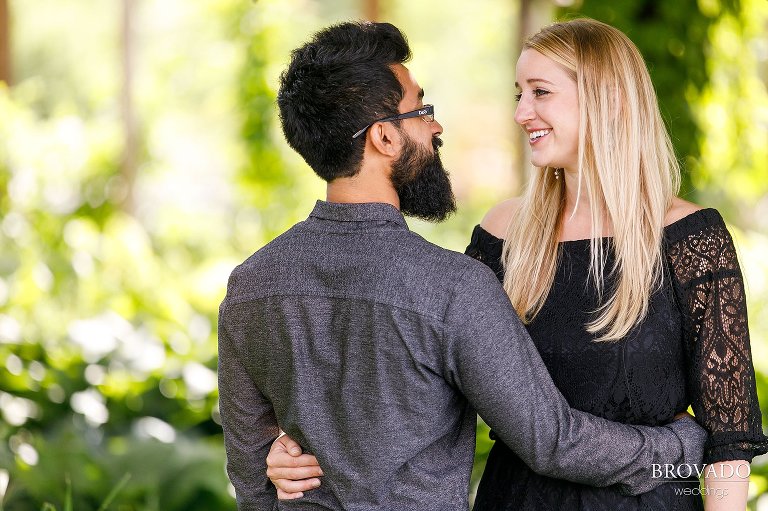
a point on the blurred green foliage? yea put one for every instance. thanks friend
(674, 40)
(107, 317)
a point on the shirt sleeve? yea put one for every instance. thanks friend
(491, 359)
(249, 424)
(721, 378)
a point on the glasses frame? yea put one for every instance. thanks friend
(427, 114)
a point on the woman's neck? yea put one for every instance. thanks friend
(577, 214)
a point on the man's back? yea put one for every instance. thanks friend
(368, 344)
(339, 324)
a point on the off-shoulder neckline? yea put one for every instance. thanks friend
(682, 227)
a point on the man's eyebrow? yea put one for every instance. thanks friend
(531, 80)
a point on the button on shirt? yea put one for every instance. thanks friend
(375, 349)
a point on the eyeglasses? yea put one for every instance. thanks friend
(427, 114)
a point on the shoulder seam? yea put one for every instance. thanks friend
(254, 297)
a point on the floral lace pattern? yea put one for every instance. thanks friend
(721, 380)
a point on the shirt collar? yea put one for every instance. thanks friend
(358, 212)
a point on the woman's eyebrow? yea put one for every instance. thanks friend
(531, 80)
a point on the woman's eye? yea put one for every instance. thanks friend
(536, 92)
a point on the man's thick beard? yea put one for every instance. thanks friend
(422, 182)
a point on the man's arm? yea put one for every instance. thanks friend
(249, 425)
(490, 357)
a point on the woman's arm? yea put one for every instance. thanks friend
(290, 471)
(721, 380)
(729, 492)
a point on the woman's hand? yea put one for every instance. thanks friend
(290, 471)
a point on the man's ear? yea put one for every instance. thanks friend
(385, 138)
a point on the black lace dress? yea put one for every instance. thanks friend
(691, 349)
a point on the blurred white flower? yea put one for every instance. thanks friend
(98, 336)
(28, 454)
(42, 276)
(152, 427)
(10, 329)
(141, 351)
(94, 374)
(91, 404)
(199, 328)
(14, 364)
(4, 480)
(3, 292)
(16, 410)
(200, 380)
(36, 370)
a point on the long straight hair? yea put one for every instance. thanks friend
(626, 168)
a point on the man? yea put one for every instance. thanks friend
(374, 348)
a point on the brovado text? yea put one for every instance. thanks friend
(688, 471)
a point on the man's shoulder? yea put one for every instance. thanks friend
(439, 259)
(397, 267)
(448, 271)
(405, 247)
(265, 260)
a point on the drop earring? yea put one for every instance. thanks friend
(557, 173)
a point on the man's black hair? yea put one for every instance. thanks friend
(336, 84)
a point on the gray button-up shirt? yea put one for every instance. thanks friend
(374, 349)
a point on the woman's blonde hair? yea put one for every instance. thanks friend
(626, 168)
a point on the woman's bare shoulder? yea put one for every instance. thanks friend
(680, 209)
(498, 217)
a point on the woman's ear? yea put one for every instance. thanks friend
(385, 138)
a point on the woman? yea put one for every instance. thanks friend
(633, 296)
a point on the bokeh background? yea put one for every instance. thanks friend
(141, 160)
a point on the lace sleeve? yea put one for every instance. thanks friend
(486, 248)
(721, 378)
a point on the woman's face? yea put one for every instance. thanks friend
(548, 110)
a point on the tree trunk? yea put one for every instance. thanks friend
(129, 161)
(372, 10)
(5, 43)
(523, 31)
(532, 15)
